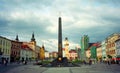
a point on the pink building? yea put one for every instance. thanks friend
(73, 54)
(54, 54)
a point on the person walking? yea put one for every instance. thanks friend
(109, 62)
(90, 62)
(5, 62)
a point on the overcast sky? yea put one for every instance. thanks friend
(95, 18)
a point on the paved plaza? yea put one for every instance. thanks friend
(96, 68)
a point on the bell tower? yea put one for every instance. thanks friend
(17, 39)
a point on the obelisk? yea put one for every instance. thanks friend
(60, 55)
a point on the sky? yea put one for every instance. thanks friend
(96, 18)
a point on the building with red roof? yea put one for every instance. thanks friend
(73, 54)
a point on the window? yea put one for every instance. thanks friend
(3, 42)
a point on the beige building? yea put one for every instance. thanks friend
(88, 53)
(47, 55)
(5, 48)
(99, 53)
(54, 54)
(110, 46)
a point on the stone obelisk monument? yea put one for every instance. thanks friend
(60, 55)
(60, 60)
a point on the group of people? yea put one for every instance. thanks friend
(22, 61)
(4, 61)
(90, 62)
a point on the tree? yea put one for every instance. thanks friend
(109, 56)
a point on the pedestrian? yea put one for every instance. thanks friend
(25, 62)
(4, 61)
(84, 62)
(108, 62)
(90, 62)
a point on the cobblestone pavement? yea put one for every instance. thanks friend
(96, 68)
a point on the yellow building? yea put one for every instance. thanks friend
(42, 53)
(110, 47)
(99, 53)
(5, 48)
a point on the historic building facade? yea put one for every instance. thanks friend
(73, 54)
(47, 55)
(15, 50)
(5, 49)
(117, 43)
(99, 53)
(32, 45)
(103, 46)
(93, 51)
(110, 46)
(88, 53)
(25, 53)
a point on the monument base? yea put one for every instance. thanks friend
(60, 62)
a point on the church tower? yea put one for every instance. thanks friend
(32, 43)
(66, 45)
(17, 39)
(33, 38)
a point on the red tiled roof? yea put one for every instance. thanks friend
(93, 44)
(26, 47)
(72, 51)
(96, 44)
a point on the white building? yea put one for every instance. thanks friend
(117, 44)
(32, 46)
(26, 53)
(5, 48)
(103, 46)
(47, 55)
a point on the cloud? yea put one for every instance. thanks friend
(95, 18)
